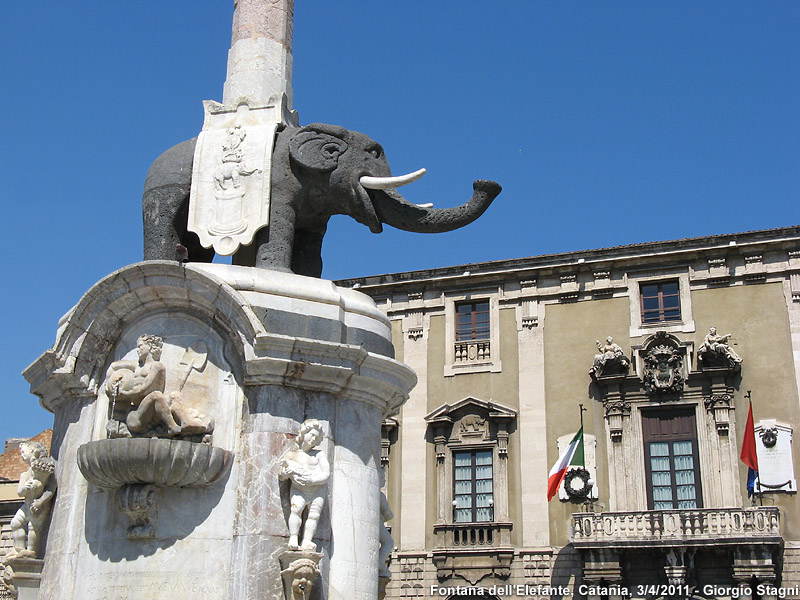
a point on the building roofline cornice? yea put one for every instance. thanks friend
(680, 249)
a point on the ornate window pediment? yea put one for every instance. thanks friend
(471, 422)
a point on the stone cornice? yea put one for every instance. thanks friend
(601, 260)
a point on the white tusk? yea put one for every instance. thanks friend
(428, 205)
(385, 183)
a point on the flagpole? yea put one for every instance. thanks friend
(589, 500)
(583, 436)
(749, 454)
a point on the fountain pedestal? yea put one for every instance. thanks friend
(281, 349)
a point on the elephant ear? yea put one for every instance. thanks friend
(316, 150)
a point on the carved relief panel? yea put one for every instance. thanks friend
(166, 418)
(197, 383)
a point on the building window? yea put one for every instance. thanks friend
(472, 488)
(660, 302)
(671, 459)
(473, 334)
(472, 321)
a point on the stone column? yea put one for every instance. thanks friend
(532, 421)
(622, 451)
(260, 58)
(414, 450)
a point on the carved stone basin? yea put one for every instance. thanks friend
(114, 463)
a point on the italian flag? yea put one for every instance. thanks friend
(573, 455)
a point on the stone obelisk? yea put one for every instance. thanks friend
(260, 58)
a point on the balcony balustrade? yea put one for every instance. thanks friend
(472, 351)
(473, 535)
(473, 550)
(666, 527)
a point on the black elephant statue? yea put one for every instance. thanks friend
(317, 171)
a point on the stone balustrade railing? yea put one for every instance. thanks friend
(473, 535)
(473, 351)
(652, 527)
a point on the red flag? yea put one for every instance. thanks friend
(748, 455)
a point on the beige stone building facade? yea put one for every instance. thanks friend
(508, 351)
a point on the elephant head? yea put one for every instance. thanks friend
(317, 171)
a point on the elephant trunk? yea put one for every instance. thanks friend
(396, 211)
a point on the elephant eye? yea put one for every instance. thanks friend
(375, 151)
(330, 150)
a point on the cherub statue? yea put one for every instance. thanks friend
(137, 391)
(37, 486)
(610, 361)
(715, 349)
(385, 538)
(308, 470)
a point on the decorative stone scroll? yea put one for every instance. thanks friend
(616, 411)
(720, 406)
(140, 504)
(229, 199)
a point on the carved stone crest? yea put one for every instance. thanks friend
(229, 199)
(663, 365)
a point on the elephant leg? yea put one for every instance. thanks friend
(161, 208)
(274, 244)
(165, 206)
(307, 256)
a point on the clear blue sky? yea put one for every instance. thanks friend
(607, 123)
